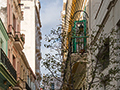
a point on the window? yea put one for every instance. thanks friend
(14, 62)
(14, 22)
(103, 55)
(18, 69)
(27, 7)
(9, 14)
(0, 42)
(83, 87)
(79, 37)
(18, 28)
(9, 53)
(52, 86)
(28, 81)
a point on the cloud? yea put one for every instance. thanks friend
(50, 15)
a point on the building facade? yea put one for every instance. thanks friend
(11, 16)
(26, 77)
(8, 75)
(97, 66)
(15, 71)
(74, 23)
(104, 27)
(31, 28)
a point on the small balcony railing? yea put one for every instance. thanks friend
(6, 62)
(16, 35)
(19, 37)
(19, 41)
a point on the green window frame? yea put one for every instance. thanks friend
(79, 38)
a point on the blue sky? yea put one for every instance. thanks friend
(50, 15)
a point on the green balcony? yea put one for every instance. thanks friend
(7, 72)
(79, 38)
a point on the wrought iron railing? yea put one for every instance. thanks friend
(19, 37)
(6, 62)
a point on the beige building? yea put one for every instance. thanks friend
(26, 77)
(18, 73)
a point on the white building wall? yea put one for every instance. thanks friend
(28, 28)
(109, 24)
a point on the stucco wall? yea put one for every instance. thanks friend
(28, 28)
(108, 16)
